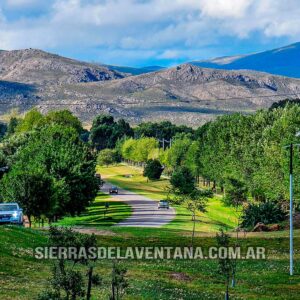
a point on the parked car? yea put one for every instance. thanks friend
(113, 190)
(163, 204)
(11, 213)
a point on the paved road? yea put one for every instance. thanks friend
(144, 210)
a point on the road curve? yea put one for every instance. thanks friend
(144, 210)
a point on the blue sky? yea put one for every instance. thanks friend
(148, 32)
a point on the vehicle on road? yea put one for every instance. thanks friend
(163, 204)
(114, 190)
(11, 213)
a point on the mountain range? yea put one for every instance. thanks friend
(283, 61)
(186, 94)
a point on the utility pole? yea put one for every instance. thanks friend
(291, 212)
(291, 148)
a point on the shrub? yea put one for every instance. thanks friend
(153, 169)
(267, 213)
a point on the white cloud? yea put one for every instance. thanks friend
(225, 8)
(158, 26)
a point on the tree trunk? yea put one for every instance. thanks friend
(227, 293)
(89, 288)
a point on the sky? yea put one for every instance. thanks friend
(148, 32)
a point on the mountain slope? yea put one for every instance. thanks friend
(186, 94)
(39, 67)
(282, 61)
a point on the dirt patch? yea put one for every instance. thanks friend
(94, 231)
(180, 276)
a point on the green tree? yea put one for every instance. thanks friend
(105, 132)
(182, 181)
(12, 125)
(32, 190)
(63, 118)
(163, 130)
(31, 120)
(153, 169)
(236, 192)
(57, 153)
(195, 203)
(107, 157)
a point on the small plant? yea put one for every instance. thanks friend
(226, 265)
(118, 281)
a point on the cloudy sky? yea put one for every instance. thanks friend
(148, 32)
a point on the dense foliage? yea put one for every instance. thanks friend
(105, 131)
(139, 150)
(107, 157)
(51, 170)
(242, 155)
(153, 169)
(182, 180)
(163, 130)
(267, 213)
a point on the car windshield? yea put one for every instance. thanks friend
(114, 187)
(163, 201)
(8, 207)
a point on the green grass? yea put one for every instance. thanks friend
(23, 277)
(97, 216)
(217, 215)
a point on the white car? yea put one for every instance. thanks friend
(163, 204)
(11, 213)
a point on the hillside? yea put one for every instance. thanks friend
(38, 67)
(281, 61)
(185, 94)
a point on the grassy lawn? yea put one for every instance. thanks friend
(97, 215)
(23, 277)
(217, 215)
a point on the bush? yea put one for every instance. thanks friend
(183, 181)
(153, 169)
(267, 213)
(107, 157)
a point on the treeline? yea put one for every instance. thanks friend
(242, 156)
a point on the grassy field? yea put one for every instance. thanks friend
(217, 215)
(97, 216)
(23, 277)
